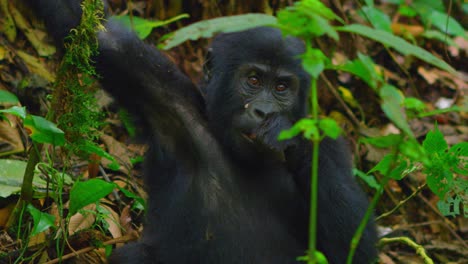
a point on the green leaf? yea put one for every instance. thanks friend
(15, 110)
(88, 192)
(44, 131)
(143, 27)
(445, 23)
(384, 164)
(7, 97)
(140, 203)
(392, 107)
(408, 11)
(367, 178)
(460, 149)
(414, 151)
(42, 221)
(437, 35)
(207, 28)
(451, 207)
(11, 177)
(439, 179)
(330, 127)
(314, 61)
(392, 166)
(92, 148)
(308, 19)
(377, 18)
(434, 141)
(415, 104)
(364, 68)
(384, 141)
(429, 4)
(398, 44)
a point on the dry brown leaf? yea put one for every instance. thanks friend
(113, 220)
(43, 49)
(79, 221)
(119, 151)
(402, 29)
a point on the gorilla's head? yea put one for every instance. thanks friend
(255, 87)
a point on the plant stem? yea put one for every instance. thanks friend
(314, 180)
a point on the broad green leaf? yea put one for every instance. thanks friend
(330, 127)
(451, 207)
(383, 141)
(143, 27)
(377, 18)
(398, 44)
(429, 5)
(439, 179)
(208, 28)
(319, 258)
(408, 11)
(445, 23)
(42, 221)
(460, 149)
(437, 35)
(11, 177)
(306, 125)
(414, 104)
(392, 107)
(434, 141)
(367, 178)
(91, 148)
(414, 151)
(7, 97)
(289, 133)
(308, 19)
(139, 203)
(44, 131)
(384, 164)
(314, 61)
(88, 192)
(15, 110)
(364, 68)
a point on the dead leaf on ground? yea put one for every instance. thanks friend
(118, 151)
(81, 221)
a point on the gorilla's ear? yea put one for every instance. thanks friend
(208, 65)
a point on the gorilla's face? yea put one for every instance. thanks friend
(267, 95)
(256, 88)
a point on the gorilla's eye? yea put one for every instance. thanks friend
(281, 87)
(253, 80)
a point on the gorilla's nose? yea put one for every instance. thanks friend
(259, 111)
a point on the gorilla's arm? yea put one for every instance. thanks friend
(343, 202)
(139, 77)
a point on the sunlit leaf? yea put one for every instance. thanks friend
(43, 131)
(42, 221)
(87, 192)
(208, 28)
(398, 44)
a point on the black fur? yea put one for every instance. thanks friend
(222, 188)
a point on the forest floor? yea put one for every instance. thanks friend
(30, 76)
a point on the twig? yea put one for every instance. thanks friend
(407, 241)
(401, 203)
(122, 239)
(106, 177)
(348, 111)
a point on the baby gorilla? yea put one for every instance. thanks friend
(222, 188)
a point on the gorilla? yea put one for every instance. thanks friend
(222, 188)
